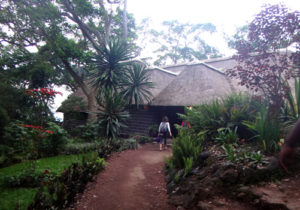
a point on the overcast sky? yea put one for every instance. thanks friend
(226, 15)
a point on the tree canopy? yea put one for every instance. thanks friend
(59, 39)
(269, 55)
(179, 42)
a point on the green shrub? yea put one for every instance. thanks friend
(53, 143)
(186, 146)
(143, 139)
(153, 130)
(7, 156)
(88, 132)
(29, 177)
(19, 141)
(59, 192)
(112, 116)
(128, 144)
(77, 148)
(266, 130)
(188, 164)
(73, 103)
(226, 113)
(227, 136)
(230, 152)
(290, 112)
(4, 119)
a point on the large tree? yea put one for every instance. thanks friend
(269, 55)
(68, 34)
(178, 42)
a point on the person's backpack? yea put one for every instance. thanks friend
(164, 128)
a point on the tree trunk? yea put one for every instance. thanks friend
(91, 106)
(125, 30)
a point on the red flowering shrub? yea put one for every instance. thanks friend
(42, 92)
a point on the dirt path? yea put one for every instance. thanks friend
(132, 179)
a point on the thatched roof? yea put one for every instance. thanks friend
(190, 84)
(161, 78)
(197, 84)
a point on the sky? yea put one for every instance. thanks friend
(226, 15)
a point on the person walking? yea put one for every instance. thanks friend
(163, 130)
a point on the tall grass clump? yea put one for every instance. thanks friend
(266, 129)
(186, 149)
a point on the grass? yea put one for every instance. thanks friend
(22, 197)
(16, 198)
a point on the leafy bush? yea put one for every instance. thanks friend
(73, 103)
(112, 116)
(230, 152)
(88, 132)
(205, 117)
(4, 119)
(18, 139)
(226, 113)
(59, 192)
(143, 139)
(186, 146)
(76, 148)
(290, 111)
(233, 154)
(8, 156)
(53, 143)
(29, 177)
(188, 164)
(266, 130)
(128, 144)
(153, 129)
(227, 136)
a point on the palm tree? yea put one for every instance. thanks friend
(110, 61)
(111, 115)
(135, 85)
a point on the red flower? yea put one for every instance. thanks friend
(48, 131)
(43, 91)
(46, 171)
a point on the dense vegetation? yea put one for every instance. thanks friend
(91, 45)
(247, 128)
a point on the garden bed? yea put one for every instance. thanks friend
(21, 197)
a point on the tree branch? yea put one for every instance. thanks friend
(78, 79)
(83, 27)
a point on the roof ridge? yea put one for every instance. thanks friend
(200, 61)
(213, 68)
(164, 70)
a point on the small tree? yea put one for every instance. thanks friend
(267, 70)
(135, 85)
(111, 115)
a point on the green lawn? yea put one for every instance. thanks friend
(11, 197)
(21, 197)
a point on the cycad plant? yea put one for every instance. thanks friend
(135, 84)
(266, 129)
(110, 62)
(111, 116)
(208, 117)
(186, 149)
(291, 110)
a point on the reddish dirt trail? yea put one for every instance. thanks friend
(132, 179)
